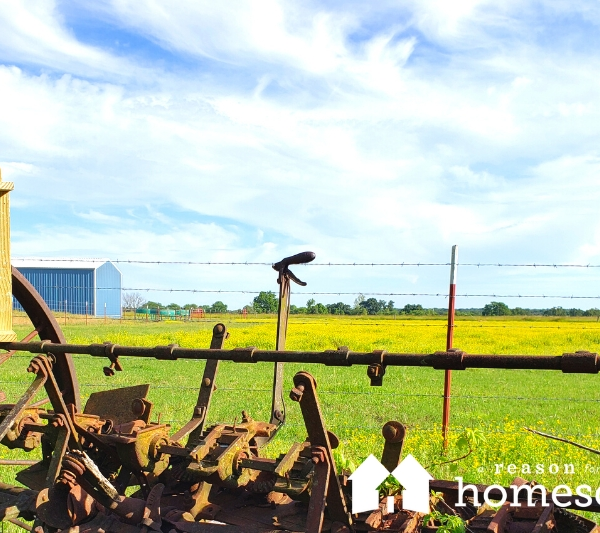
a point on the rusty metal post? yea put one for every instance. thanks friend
(449, 339)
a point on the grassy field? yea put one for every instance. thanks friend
(488, 406)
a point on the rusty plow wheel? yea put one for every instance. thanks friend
(45, 327)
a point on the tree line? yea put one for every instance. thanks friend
(267, 302)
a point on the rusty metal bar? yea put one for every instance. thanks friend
(18, 462)
(577, 363)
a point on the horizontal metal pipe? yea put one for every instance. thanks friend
(579, 362)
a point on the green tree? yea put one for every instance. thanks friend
(310, 306)
(219, 307)
(153, 305)
(265, 302)
(359, 300)
(371, 305)
(173, 306)
(555, 311)
(496, 309)
(320, 309)
(339, 308)
(413, 309)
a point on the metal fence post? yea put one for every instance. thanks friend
(449, 339)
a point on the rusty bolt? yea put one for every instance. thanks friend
(393, 431)
(34, 366)
(318, 454)
(374, 370)
(219, 328)
(108, 371)
(297, 392)
(198, 411)
(206, 382)
(138, 408)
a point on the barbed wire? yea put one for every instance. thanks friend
(264, 263)
(233, 317)
(319, 293)
(368, 392)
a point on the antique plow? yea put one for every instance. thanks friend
(107, 468)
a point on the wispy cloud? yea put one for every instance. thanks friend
(384, 133)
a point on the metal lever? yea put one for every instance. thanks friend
(298, 259)
(285, 275)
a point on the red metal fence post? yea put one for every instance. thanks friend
(449, 339)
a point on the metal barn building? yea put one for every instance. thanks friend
(79, 286)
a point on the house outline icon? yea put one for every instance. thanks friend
(409, 473)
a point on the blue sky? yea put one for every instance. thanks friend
(366, 132)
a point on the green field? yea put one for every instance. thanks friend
(491, 405)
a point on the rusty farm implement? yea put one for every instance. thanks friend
(110, 467)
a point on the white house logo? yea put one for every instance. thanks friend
(409, 473)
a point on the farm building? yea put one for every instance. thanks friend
(78, 286)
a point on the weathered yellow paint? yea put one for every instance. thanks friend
(6, 332)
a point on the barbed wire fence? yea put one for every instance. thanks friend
(364, 321)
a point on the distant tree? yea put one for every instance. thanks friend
(390, 306)
(496, 309)
(320, 309)
(519, 311)
(265, 302)
(555, 311)
(133, 300)
(371, 305)
(153, 305)
(592, 312)
(575, 312)
(190, 306)
(218, 307)
(413, 309)
(359, 300)
(173, 306)
(310, 306)
(339, 308)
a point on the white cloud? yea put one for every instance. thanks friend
(311, 129)
(34, 32)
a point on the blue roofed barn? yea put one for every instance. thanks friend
(78, 286)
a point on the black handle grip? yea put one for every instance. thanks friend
(298, 259)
